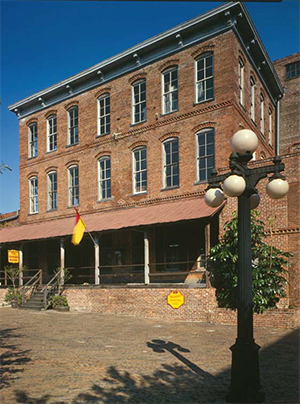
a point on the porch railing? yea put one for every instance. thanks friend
(27, 275)
(52, 286)
(31, 284)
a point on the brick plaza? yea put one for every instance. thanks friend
(80, 358)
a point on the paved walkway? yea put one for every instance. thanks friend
(75, 358)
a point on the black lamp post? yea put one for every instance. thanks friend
(241, 182)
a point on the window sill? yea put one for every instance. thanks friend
(201, 182)
(139, 193)
(104, 200)
(51, 151)
(32, 214)
(31, 158)
(169, 188)
(73, 144)
(72, 206)
(137, 123)
(169, 113)
(103, 134)
(51, 210)
(204, 101)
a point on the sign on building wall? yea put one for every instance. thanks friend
(13, 256)
(175, 299)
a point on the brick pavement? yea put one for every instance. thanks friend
(75, 358)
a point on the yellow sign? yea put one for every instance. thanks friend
(13, 256)
(175, 299)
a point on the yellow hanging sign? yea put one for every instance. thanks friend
(175, 299)
(13, 256)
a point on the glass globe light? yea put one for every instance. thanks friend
(214, 197)
(234, 185)
(243, 141)
(254, 201)
(277, 188)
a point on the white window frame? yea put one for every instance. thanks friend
(140, 171)
(241, 81)
(252, 99)
(72, 125)
(270, 127)
(33, 195)
(171, 164)
(171, 92)
(72, 185)
(205, 79)
(103, 129)
(206, 156)
(52, 133)
(262, 114)
(52, 190)
(141, 105)
(104, 180)
(33, 140)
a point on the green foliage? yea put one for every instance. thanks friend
(13, 295)
(268, 267)
(13, 272)
(58, 301)
(67, 274)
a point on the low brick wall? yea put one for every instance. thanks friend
(2, 295)
(200, 305)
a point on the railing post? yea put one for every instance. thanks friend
(62, 260)
(5, 278)
(41, 277)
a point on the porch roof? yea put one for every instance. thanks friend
(167, 212)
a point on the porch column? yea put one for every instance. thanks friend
(207, 239)
(97, 261)
(146, 255)
(21, 265)
(62, 259)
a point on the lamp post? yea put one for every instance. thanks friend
(240, 182)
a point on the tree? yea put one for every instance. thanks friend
(268, 267)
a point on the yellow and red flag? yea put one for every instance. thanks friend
(78, 229)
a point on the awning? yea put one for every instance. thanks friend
(167, 212)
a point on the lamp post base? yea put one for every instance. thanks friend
(245, 383)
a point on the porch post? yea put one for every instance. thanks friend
(62, 259)
(21, 265)
(146, 255)
(97, 261)
(207, 239)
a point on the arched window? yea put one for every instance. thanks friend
(241, 80)
(33, 195)
(270, 127)
(170, 163)
(139, 101)
(52, 190)
(204, 69)
(262, 114)
(205, 153)
(170, 90)
(252, 98)
(32, 140)
(104, 114)
(73, 125)
(139, 170)
(104, 178)
(51, 133)
(73, 185)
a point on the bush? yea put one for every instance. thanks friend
(13, 295)
(58, 301)
(268, 267)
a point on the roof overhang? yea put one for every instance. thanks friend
(232, 15)
(168, 212)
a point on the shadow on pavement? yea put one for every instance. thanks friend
(12, 358)
(188, 383)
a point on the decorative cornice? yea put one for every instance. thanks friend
(167, 64)
(207, 48)
(283, 231)
(136, 77)
(139, 143)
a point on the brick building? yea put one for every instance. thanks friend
(288, 70)
(130, 143)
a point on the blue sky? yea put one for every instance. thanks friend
(43, 42)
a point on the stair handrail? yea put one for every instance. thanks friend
(48, 289)
(38, 276)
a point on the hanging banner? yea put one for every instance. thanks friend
(13, 256)
(175, 299)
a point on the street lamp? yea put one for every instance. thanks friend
(241, 182)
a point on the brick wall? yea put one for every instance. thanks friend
(289, 106)
(224, 113)
(200, 305)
